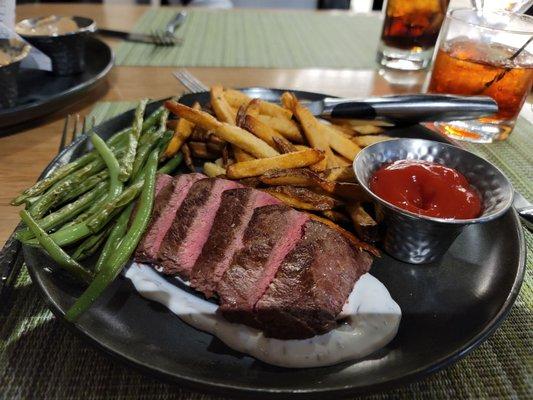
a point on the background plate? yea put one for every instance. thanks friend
(41, 93)
(448, 308)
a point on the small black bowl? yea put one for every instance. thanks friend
(17, 50)
(65, 50)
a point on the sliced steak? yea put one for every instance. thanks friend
(168, 200)
(191, 226)
(271, 234)
(311, 285)
(162, 180)
(234, 213)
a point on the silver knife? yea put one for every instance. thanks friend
(410, 108)
(524, 210)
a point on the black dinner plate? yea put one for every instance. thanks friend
(41, 92)
(448, 307)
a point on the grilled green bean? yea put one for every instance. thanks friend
(74, 233)
(56, 252)
(126, 166)
(113, 240)
(115, 186)
(89, 246)
(67, 212)
(127, 245)
(171, 165)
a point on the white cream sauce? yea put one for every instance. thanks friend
(372, 319)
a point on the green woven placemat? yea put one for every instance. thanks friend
(41, 359)
(269, 39)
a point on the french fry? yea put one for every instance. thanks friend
(301, 177)
(186, 151)
(182, 130)
(257, 167)
(284, 146)
(340, 174)
(286, 127)
(222, 109)
(365, 226)
(312, 129)
(232, 134)
(367, 140)
(345, 130)
(347, 191)
(259, 129)
(200, 150)
(336, 216)
(252, 181)
(340, 143)
(340, 161)
(303, 198)
(212, 169)
(236, 99)
(358, 244)
(368, 129)
(241, 155)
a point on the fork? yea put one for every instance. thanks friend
(166, 37)
(11, 258)
(191, 83)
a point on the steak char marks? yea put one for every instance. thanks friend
(226, 237)
(170, 193)
(271, 234)
(311, 285)
(272, 267)
(191, 226)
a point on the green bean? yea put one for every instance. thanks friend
(127, 246)
(152, 140)
(56, 252)
(66, 169)
(115, 186)
(133, 141)
(116, 234)
(171, 165)
(89, 246)
(67, 212)
(60, 189)
(73, 233)
(84, 187)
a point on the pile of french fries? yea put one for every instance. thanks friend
(283, 149)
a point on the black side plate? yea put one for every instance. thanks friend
(41, 93)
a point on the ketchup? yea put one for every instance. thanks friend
(427, 188)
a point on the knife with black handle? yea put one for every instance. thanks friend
(410, 108)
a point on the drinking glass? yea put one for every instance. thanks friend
(485, 53)
(410, 30)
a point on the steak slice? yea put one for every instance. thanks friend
(167, 202)
(234, 213)
(162, 180)
(271, 234)
(191, 226)
(311, 285)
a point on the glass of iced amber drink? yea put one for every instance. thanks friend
(485, 53)
(410, 30)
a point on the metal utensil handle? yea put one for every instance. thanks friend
(176, 22)
(413, 107)
(526, 215)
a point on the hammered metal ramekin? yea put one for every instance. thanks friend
(419, 239)
(66, 51)
(18, 50)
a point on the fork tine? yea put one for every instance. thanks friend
(74, 133)
(63, 141)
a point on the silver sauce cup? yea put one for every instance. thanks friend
(419, 239)
(17, 51)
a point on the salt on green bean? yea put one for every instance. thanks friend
(127, 246)
(66, 212)
(126, 166)
(90, 245)
(56, 252)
